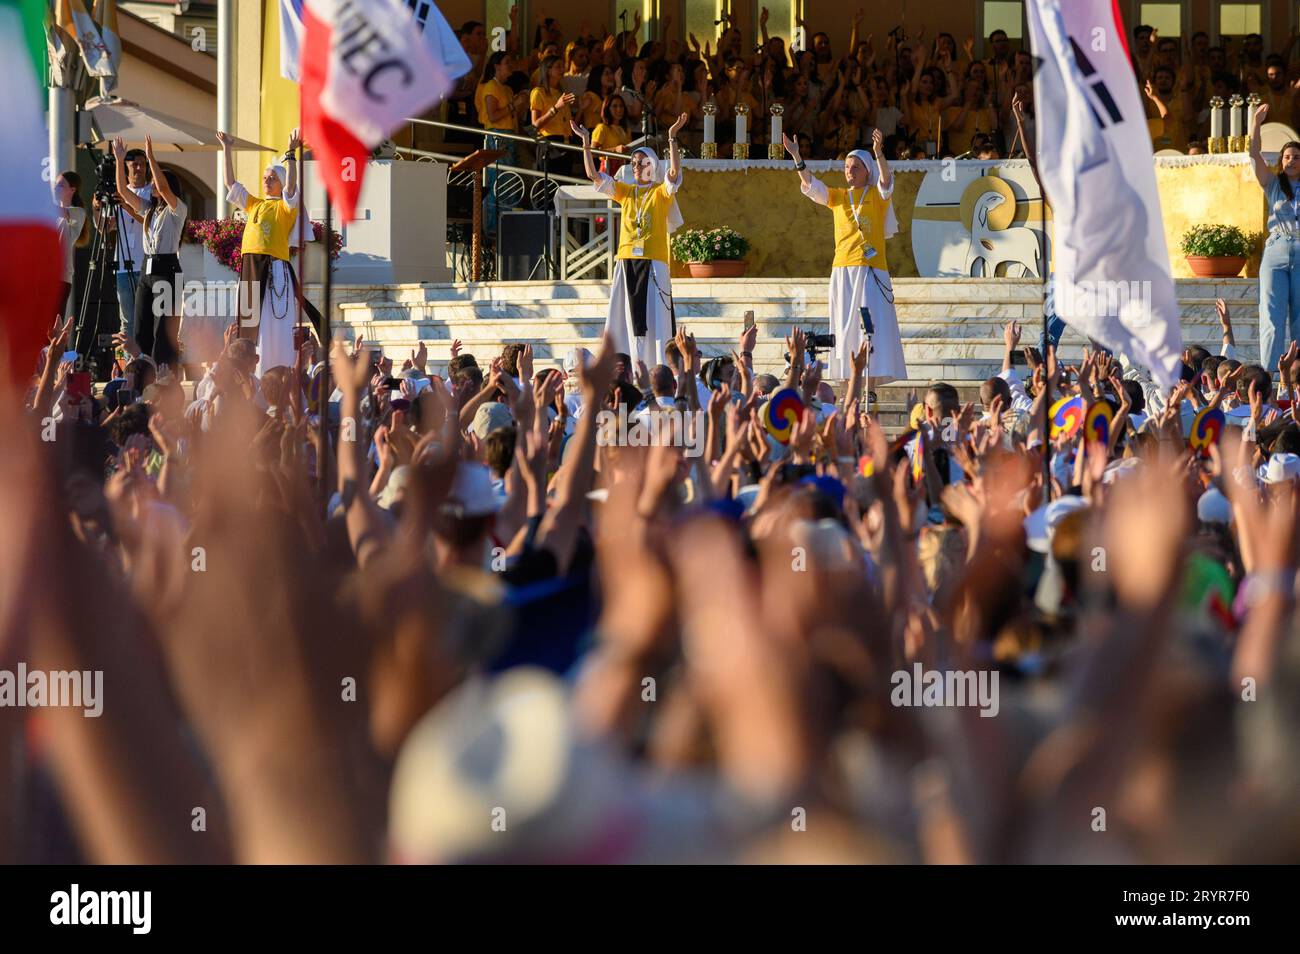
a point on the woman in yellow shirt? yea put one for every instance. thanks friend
(495, 102)
(923, 110)
(961, 123)
(860, 281)
(641, 319)
(267, 283)
(552, 113)
(611, 133)
(600, 83)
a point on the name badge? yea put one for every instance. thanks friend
(868, 252)
(148, 267)
(638, 251)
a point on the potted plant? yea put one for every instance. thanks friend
(711, 253)
(1217, 251)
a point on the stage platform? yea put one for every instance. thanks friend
(951, 328)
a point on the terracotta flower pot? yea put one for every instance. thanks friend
(1226, 266)
(722, 268)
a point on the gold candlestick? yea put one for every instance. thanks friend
(741, 149)
(774, 148)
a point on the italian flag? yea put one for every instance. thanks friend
(30, 258)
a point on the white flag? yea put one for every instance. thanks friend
(291, 31)
(1110, 277)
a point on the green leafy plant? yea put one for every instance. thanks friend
(712, 245)
(1218, 241)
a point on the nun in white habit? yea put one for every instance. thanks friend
(864, 220)
(641, 319)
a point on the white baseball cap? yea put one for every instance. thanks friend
(1282, 467)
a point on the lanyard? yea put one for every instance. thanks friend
(854, 206)
(640, 205)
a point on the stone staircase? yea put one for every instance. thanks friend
(951, 328)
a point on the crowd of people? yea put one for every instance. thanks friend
(929, 95)
(418, 613)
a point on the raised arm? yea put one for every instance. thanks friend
(674, 153)
(886, 184)
(291, 162)
(228, 157)
(588, 160)
(792, 147)
(1262, 172)
(124, 193)
(159, 180)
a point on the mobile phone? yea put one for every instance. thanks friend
(867, 326)
(79, 385)
(393, 384)
(749, 319)
(124, 397)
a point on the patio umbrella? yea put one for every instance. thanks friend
(132, 122)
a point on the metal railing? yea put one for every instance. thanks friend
(535, 139)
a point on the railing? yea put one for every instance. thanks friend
(577, 257)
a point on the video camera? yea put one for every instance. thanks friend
(106, 180)
(814, 342)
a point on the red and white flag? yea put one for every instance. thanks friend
(1110, 276)
(368, 66)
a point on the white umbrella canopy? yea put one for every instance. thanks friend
(132, 122)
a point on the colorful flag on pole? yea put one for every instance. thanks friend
(291, 31)
(366, 68)
(106, 19)
(30, 258)
(63, 52)
(1110, 276)
(73, 19)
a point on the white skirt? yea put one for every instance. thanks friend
(659, 315)
(851, 288)
(279, 315)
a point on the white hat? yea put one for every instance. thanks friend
(575, 359)
(395, 490)
(490, 416)
(1119, 468)
(1040, 524)
(1213, 507)
(471, 492)
(1281, 467)
(497, 771)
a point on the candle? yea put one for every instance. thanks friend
(1235, 113)
(777, 110)
(710, 112)
(742, 133)
(1216, 118)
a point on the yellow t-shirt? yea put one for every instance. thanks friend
(541, 101)
(653, 204)
(589, 109)
(853, 243)
(960, 136)
(270, 223)
(504, 97)
(609, 138)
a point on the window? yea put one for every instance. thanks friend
(625, 12)
(1167, 18)
(496, 15)
(1005, 15)
(781, 15)
(700, 17)
(1240, 19)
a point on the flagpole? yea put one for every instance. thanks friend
(326, 389)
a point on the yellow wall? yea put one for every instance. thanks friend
(790, 236)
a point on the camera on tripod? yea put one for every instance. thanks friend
(814, 342)
(106, 180)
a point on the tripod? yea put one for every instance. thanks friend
(548, 191)
(99, 261)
